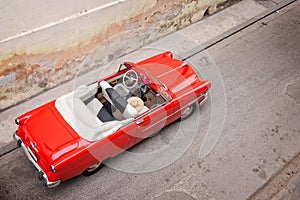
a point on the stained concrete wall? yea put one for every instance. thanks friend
(43, 44)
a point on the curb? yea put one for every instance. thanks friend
(236, 29)
(279, 181)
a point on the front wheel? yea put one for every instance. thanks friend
(188, 111)
(92, 169)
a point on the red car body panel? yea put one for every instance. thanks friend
(55, 143)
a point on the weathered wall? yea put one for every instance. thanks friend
(43, 44)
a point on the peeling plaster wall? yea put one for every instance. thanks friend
(47, 43)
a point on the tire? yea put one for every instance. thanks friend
(92, 169)
(188, 111)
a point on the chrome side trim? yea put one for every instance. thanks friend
(48, 183)
(174, 69)
(191, 103)
(179, 110)
(150, 111)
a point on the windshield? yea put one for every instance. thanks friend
(156, 84)
(148, 79)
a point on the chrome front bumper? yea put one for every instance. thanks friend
(42, 174)
(202, 98)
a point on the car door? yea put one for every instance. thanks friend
(154, 120)
(115, 143)
(123, 139)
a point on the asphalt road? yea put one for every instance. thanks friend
(259, 70)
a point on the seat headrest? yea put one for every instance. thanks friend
(105, 84)
(117, 100)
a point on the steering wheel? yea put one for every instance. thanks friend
(130, 79)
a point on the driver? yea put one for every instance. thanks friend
(137, 83)
(136, 102)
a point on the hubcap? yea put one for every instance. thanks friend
(186, 112)
(93, 167)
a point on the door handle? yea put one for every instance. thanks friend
(139, 121)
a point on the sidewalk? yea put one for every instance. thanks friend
(284, 185)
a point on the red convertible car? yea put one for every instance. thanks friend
(73, 134)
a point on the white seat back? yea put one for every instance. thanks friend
(117, 101)
(95, 106)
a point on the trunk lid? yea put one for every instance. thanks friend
(48, 135)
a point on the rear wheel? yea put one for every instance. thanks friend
(92, 169)
(188, 111)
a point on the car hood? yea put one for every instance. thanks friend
(48, 132)
(178, 76)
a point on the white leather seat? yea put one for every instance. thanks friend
(117, 101)
(84, 120)
(122, 90)
(95, 106)
(100, 111)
